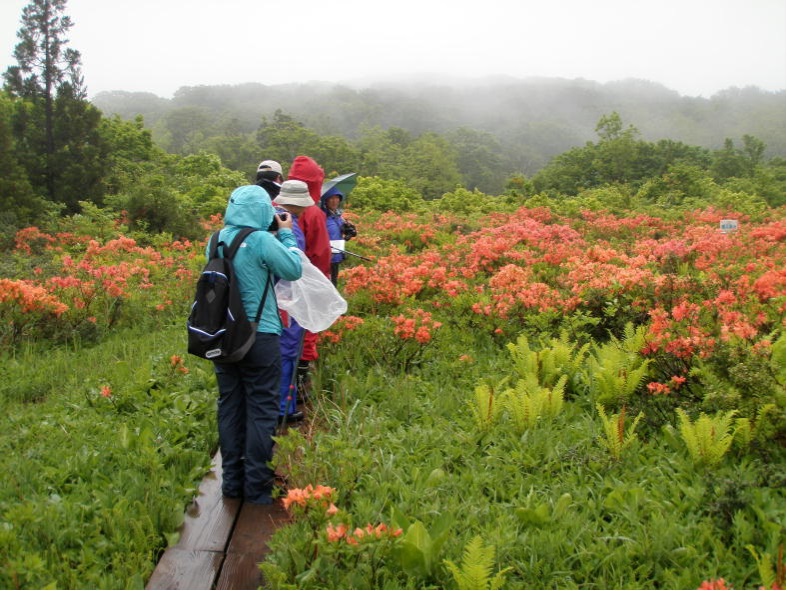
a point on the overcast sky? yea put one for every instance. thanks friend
(696, 47)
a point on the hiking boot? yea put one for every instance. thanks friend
(292, 417)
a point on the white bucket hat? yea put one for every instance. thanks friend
(294, 193)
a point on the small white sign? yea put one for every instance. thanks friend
(728, 226)
(336, 246)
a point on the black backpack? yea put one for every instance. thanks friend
(218, 328)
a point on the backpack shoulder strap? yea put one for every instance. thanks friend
(237, 241)
(213, 251)
(268, 283)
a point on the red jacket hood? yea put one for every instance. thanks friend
(307, 170)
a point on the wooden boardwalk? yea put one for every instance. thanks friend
(221, 541)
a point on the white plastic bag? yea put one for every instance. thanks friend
(312, 300)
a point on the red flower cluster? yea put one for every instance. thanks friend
(94, 275)
(337, 533)
(419, 327)
(320, 497)
(714, 584)
(29, 297)
(340, 327)
(176, 363)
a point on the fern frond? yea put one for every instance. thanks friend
(553, 398)
(743, 431)
(476, 569)
(771, 578)
(707, 438)
(486, 406)
(523, 405)
(634, 339)
(618, 369)
(564, 356)
(525, 359)
(560, 357)
(616, 436)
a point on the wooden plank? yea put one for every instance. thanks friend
(210, 517)
(239, 571)
(221, 541)
(249, 544)
(255, 527)
(208, 523)
(186, 569)
(195, 561)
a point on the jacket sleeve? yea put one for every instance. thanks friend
(282, 255)
(318, 245)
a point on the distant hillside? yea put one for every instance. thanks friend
(534, 118)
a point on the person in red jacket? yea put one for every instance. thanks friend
(318, 250)
(312, 220)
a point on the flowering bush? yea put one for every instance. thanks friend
(24, 305)
(417, 327)
(339, 328)
(95, 284)
(366, 548)
(428, 319)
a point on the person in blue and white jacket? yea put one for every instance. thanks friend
(248, 404)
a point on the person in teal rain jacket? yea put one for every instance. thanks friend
(248, 404)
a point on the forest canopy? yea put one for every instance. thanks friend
(528, 120)
(167, 163)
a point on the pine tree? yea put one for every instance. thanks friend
(55, 127)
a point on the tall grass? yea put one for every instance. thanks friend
(96, 485)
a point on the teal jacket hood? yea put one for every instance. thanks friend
(261, 255)
(250, 207)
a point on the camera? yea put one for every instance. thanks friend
(348, 230)
(275, 221)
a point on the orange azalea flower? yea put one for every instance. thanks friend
(417, 328)
(336, 533)
(714, 584)
(380, 530)
(658, 388)
(677, 381)
(302, 496)
(30, 297)
(106, 391)
(359, 533)
(297, 496)
(321, 492)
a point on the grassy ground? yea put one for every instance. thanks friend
(96, 483)
(557, 506)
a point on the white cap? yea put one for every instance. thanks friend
(269, 165)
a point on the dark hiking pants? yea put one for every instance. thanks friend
(248, 411)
